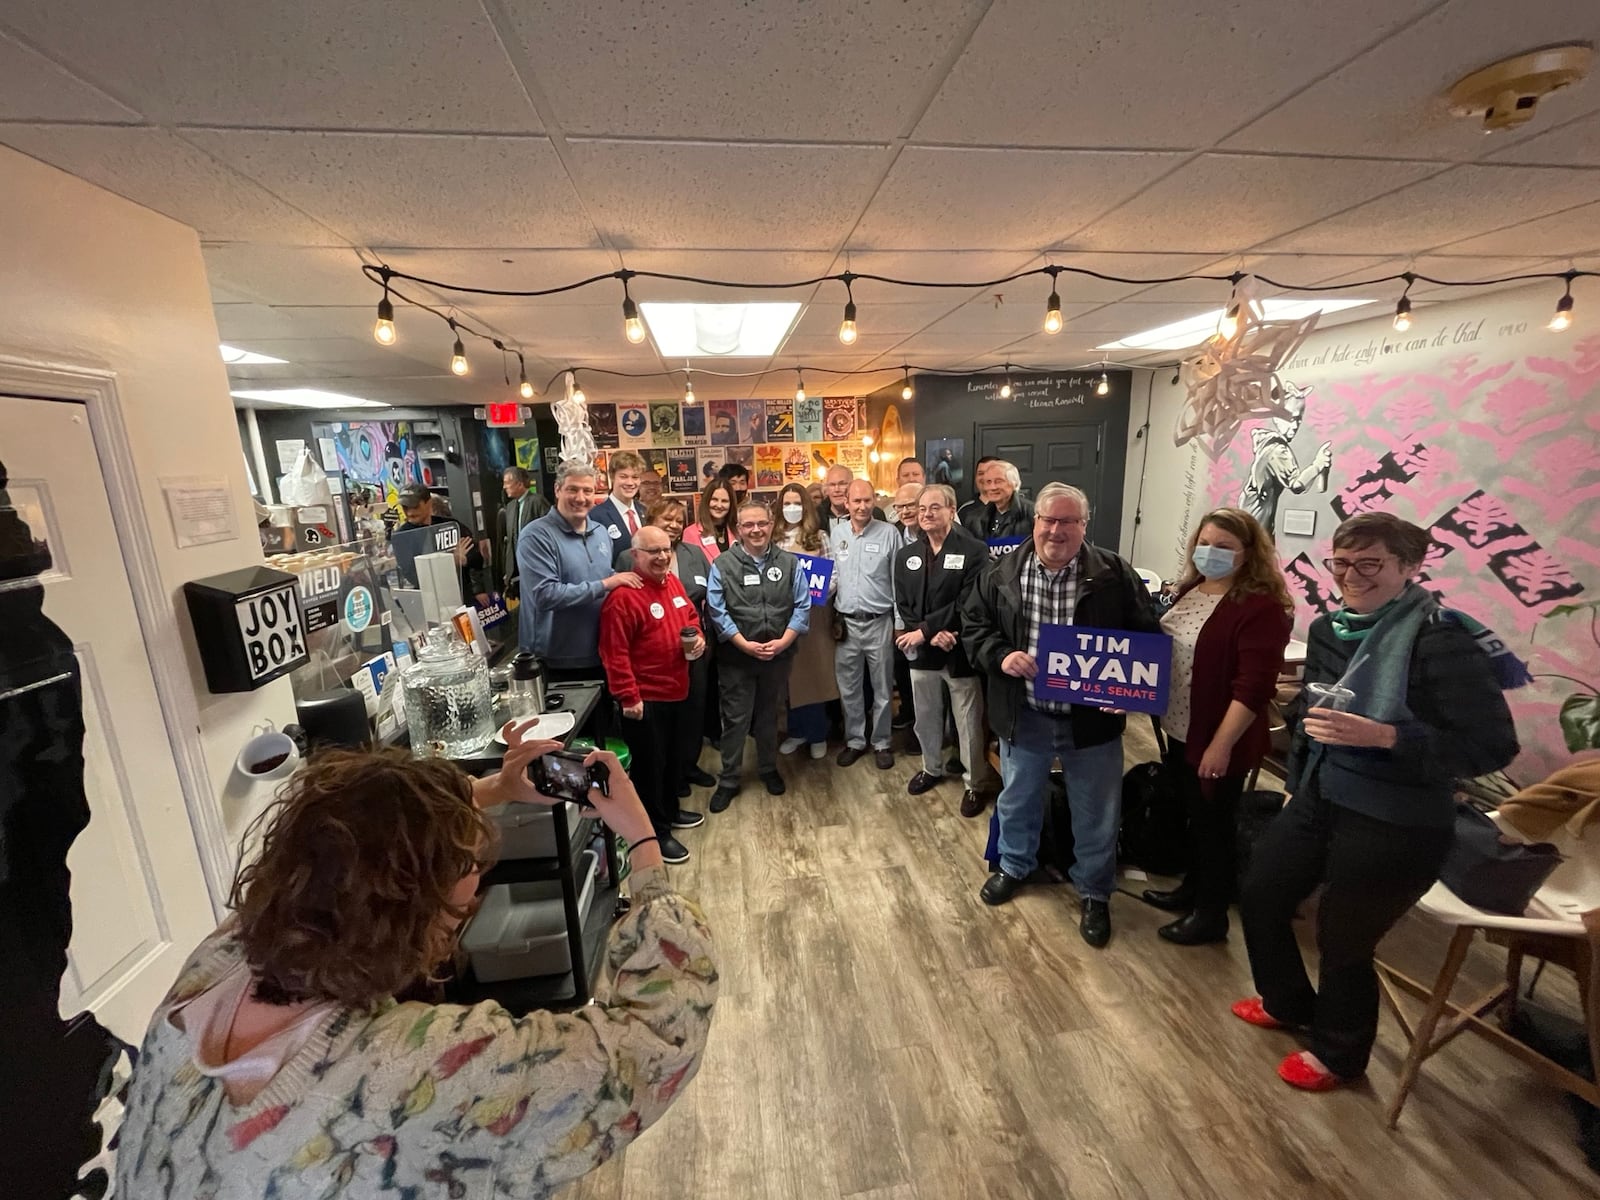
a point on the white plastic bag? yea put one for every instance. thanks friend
(305, 484)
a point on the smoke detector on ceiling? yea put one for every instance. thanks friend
(1505, 94)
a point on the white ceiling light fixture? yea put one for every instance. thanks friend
(303, 397)
(1180, 335)
(719, 330)
(236, 357)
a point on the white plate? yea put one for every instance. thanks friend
(549, 725)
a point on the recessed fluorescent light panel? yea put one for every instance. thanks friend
(719, 330)
(236, 357)
(1191, 332)
(306, 398)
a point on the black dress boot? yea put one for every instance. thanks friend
(1199, 927)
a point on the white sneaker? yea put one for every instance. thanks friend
(790, 744)
(819, 749)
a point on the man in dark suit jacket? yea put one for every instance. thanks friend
(521, 506)
(621, 513)
(931, 577)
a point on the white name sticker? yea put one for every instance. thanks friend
(873, 547)
(657, 611)
(751, 580)
(700, 579)
(954, 562)
(679, 602)
(914, 563)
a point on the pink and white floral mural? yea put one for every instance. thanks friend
(1482, 427)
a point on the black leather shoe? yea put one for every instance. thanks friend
(903, 720)
(972, 803)
(999, 888)
(700, 778)
(686, 818)
(721, 798)
(1096, 923)
(684, 791)
(1179, 899)
(775, 784)
(883, 759)
(673, 851)
(923, 782)
(850, 755)
(955, 767)
(1196, 929)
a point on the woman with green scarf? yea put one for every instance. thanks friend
(1400, 703)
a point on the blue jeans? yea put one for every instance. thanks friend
(810, 722)
(1094, 795)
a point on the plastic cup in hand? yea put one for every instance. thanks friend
(1331, 695)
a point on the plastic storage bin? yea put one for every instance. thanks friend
(521, 928)
(529, 830)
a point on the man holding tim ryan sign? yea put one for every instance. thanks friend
(1068, 636)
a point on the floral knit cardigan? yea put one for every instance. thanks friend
(415, 1101)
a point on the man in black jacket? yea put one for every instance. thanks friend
(1054, 578)
(1001, 510)
(931, 577)
(522, 504)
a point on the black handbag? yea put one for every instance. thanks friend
(1490, 872)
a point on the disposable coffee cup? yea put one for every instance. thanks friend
(268, 756)
(688, 635)
(1331, 695)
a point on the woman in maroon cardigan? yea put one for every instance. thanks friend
(1229, 626)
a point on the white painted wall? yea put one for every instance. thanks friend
(88, 279)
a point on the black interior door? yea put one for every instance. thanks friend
(1064, 452)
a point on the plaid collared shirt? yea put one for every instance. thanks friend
(1048, 598)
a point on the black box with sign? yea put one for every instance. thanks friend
(249, 627)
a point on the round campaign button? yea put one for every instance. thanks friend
(657, 611)
(774, 574)
(914, 563)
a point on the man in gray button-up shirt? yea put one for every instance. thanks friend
(863, 572)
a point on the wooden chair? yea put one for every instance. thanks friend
(1561, 925)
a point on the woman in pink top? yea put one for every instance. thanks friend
(714, 520)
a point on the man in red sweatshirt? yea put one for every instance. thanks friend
(646, 661)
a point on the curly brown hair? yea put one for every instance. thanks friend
(1257, 570)
(348, 898)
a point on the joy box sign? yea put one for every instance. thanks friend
(249, 626)
(1108, 668)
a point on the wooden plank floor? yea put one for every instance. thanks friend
(883, 1035)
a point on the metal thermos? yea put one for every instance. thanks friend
(525, 696)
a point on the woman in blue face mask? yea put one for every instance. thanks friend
(1229, 626)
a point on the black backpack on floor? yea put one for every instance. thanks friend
(1155, 825)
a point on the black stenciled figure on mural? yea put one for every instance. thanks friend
(1276, 469)
(53, 1072)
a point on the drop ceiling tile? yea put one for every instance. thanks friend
(832, 70)
(825, 350)
(745, 266)
(32, 88)
(1018, 316)
(1141, 268)
(942, 198)
(415, 189)
(1575, 231)
(1389, 102)
(932, 266)
(290, 275)
(252, 321)
(1445, 208)
(153, 168)
(872, 317)
(365, 64)
(509, 268)
(1575, 144)
(1245, 200)
(1137, 73)
(660, 195)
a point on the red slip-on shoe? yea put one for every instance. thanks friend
(1296, 1071)
(1251, 1012)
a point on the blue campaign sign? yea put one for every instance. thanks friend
(1109, 668)
(819, 574)
(1000, 547)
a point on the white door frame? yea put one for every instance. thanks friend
(96, 388)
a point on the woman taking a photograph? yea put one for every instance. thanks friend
(713, 527)
(812, 683)
(689, 564)
(1229, 626)
(1372, 771)
(280, 1064)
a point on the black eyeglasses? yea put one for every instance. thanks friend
(1364, 567)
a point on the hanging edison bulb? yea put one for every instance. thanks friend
(458, 357)
(1052, 314)
(1103, 388)
(383, 331)
(800, 388)
(1562, 320)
